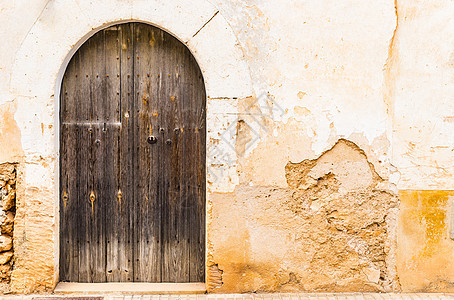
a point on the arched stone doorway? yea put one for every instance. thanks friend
(132, 159)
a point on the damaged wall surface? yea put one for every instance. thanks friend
(330, 230)
(329, 137)
(7, 214)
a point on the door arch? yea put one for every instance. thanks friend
(132, 159)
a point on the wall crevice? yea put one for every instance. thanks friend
(7, 215)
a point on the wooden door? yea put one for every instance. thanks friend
(132, 160)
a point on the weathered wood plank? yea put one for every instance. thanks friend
(115, 216)
(163, 52)
(200, 108)
(177, 268)
(84, 156)
(127, 154)
(98, 183)
(68, 187)
(177, 96)
(148, 229)
(196, 179)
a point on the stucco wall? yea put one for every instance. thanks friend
(319, 113)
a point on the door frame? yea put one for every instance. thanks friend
(59, 136)
(36, 78)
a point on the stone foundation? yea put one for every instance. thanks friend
(7, 213)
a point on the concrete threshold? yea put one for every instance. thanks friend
(126, 288)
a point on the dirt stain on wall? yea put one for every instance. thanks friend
(425, 250)
(10, 136)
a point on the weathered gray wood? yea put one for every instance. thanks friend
(115, 216)
(68, 187)
(148, 227)
(84, 152)
(147, 220)
(126, 155)
(200, 169)
(99, 183)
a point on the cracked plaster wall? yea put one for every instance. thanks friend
(331, 229)
(294, 79)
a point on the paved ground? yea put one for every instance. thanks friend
(352, 296)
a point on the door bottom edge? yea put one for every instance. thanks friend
(130, 288)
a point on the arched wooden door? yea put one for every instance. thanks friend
(132, 160)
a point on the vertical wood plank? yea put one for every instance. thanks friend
(127, 154)
(148, 229)
(163, 102)
(68, 189)
(98, 183)
(83, 156)
(177, 96)
(176, 251)
(115, 216)
(193, 180)
(200, 190)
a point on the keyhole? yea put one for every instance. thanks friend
(152, 139)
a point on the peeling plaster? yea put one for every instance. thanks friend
(330, 230)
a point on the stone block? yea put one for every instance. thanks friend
(7, 224)
(6, 243)
(5, 257)
(8, 201)
(372, 274)
(6, 171)
(5, 271)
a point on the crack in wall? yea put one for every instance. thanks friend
(206, 23)
(389, 83)
(391, 64)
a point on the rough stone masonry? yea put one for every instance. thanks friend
(7, 212)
